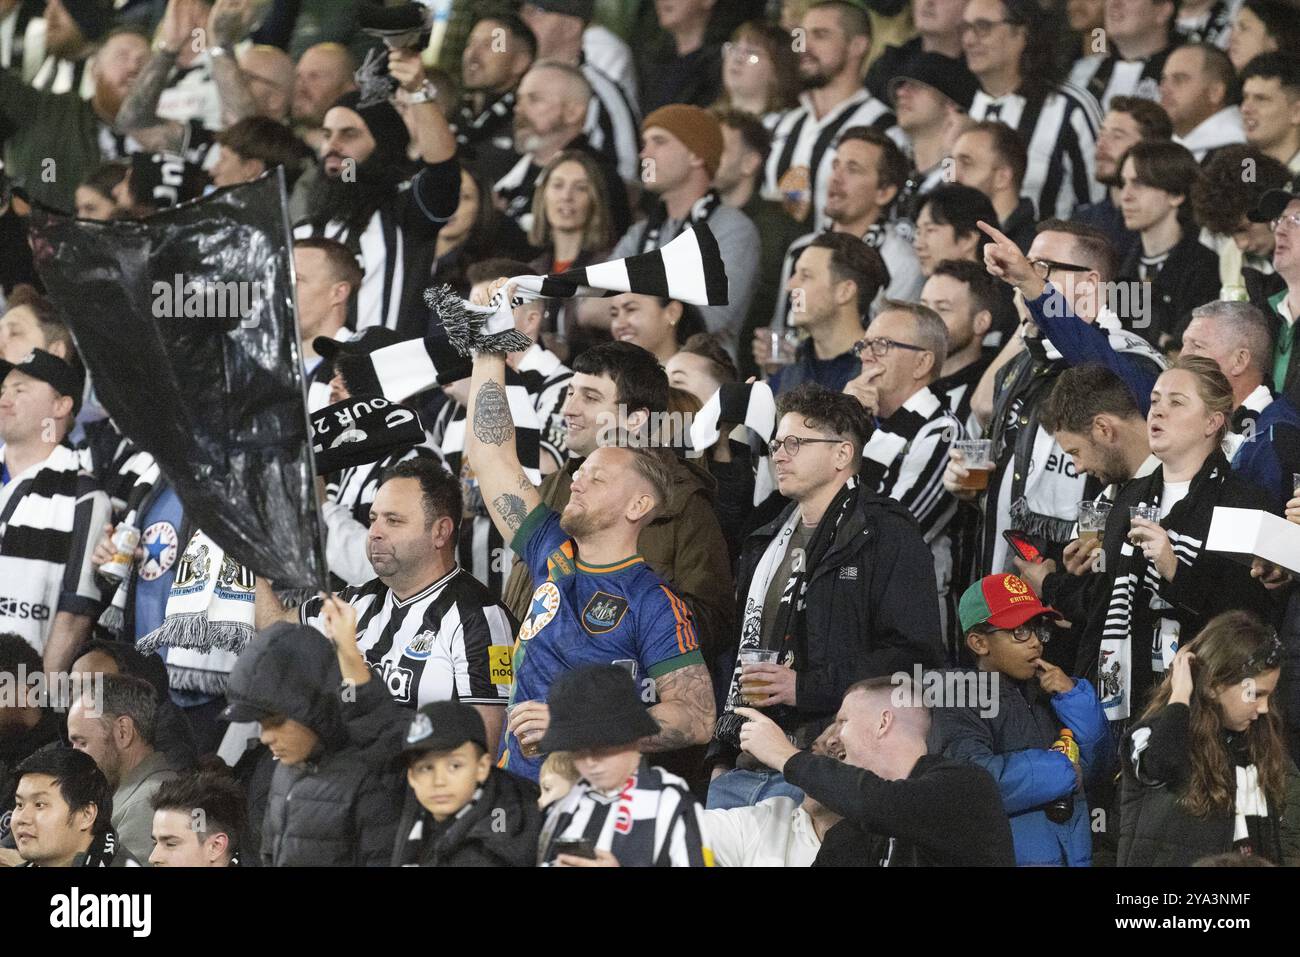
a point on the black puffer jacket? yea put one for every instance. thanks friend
(499, 830)
(340, 807)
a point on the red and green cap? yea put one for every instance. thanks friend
(1003, 601)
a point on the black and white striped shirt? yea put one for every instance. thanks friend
(412, 217)
(51, 516)
(894, 243)
(1213, 27)
(1106, 76)
(613, 126)
(449, 642)
(547, 380)
(800, 139)
(1061, 137)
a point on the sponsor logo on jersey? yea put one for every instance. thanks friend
(500, 665)
(603, 612)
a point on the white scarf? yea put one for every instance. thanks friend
(209, 618)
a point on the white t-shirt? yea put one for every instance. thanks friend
(776, 832)
(1174, 492)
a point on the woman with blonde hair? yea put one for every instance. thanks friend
(1162, 584)
(1204, 769)
(571, 225)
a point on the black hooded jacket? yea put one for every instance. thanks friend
(500, 829)
(340, 807)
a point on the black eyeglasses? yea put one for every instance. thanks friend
(981, 28)
(880, 347)
(1039, 628)
(1043, 268)
(792, 444)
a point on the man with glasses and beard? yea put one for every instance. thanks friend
(385, 209)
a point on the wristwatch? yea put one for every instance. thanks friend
(425, 94)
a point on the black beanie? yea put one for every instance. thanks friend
(385, 125)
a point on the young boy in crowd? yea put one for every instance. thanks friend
(622, 812)
(459, 810)
(465, 812)
(556, 779)
(1022, 705)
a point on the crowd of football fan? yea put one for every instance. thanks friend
(927, 579)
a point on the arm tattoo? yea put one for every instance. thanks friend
(685, 711)
(525, 485)
(512, 509)
(140, 108)
(492, 422)
(232, 90)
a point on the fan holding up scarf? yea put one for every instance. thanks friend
(688, 269)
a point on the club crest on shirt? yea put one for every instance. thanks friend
(545, 603)
(160, 545)
(420, 646)
(603, 612)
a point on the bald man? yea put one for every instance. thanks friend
(324, 73)
(269, 73)
(902, 806)
(551, 108)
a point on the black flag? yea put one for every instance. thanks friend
(186, 323)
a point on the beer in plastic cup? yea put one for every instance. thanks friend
(527, 750)
(977, 459)
(1092, 522)
(753, 692)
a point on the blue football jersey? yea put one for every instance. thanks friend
(584, 614)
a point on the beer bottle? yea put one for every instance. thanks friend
(1062, 809)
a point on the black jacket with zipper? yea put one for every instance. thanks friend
(871, 609)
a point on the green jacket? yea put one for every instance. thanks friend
(51, 141)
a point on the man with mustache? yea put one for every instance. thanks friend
(384, 208)
(498, 53)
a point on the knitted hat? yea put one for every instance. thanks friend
(697, 129)
(92, 17)
(385, 125)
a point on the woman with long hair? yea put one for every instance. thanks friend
(1163, 586)
(571, 225)
(1204, 768)
(760, 72)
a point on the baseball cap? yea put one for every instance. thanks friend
(946, 74)
(1274, 202)
(67, 378)
(442, 726)
(1003, 601)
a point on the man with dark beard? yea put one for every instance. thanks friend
(384, 208)
(837, 38)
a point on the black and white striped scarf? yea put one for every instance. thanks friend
(38, 518)
(134, 475)
(689, 269)
(906, 456)
(653, 821)
(1187, 525)
(750, 404)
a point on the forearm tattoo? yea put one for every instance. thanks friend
(492, 422)
(512, 510)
